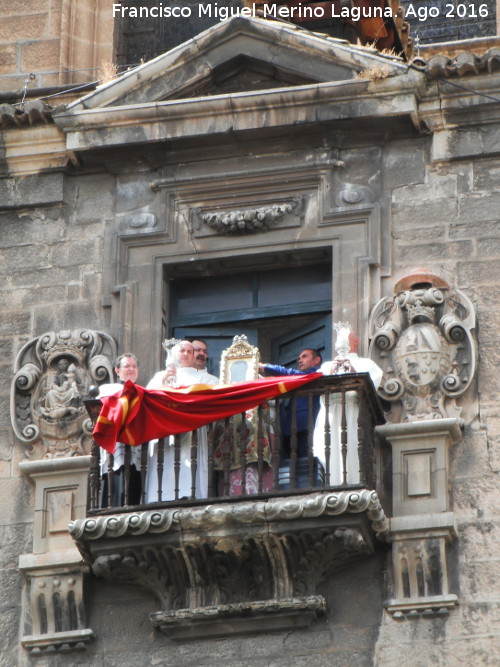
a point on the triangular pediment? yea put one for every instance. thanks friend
(237, 56)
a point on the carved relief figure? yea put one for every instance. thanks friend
(422, 339)
(52, 374)
(63, 398)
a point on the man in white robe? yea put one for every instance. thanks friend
(184, 375)
(360, 365)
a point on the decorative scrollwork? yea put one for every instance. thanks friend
(423, 340)
(52, 375)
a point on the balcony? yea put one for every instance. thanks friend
(254, 552)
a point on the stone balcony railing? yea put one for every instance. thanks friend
(254, 553)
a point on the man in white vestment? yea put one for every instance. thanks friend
(360, 365)
(126, 368)
(182, 374)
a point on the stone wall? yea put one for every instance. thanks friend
(447, 215)
(439, 208)
(60, 42)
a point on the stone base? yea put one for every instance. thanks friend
(57, 641)
(436, 605)
(244, 618)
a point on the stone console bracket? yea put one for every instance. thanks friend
(240, 567)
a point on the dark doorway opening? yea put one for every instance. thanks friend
(283, 304)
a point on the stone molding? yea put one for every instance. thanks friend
(52, 374)
(244, 618)
(211, 516)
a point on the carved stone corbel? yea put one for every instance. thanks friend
(255, 565)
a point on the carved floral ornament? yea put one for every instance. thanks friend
(51, 376)
(250, 220)
(422, 338)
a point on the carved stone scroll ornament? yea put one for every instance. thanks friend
(422, 339)
(250, 220)
(51, 376)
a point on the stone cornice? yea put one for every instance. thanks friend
(323, 102)
(211, 516)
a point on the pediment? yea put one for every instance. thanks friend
(237, 56)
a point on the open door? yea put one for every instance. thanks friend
(317, 335)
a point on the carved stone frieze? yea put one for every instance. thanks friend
(238, 554)
(251, 220)
(422, 338)
(52, 374)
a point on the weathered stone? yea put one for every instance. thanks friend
(40, 55)
(435, 251)
(473, 229)
(479, 208)
(94, 199)
(480, 540)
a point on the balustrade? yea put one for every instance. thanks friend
(247, 454)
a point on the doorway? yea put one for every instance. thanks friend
(281, 309)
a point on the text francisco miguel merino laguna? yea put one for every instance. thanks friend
(271, 11)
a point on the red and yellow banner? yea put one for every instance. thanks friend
(135, 414)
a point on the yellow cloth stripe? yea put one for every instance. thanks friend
(129, 437)
(104, 420)
(125, 408)
(282, 387)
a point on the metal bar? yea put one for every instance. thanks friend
(293, 443)
(226, 454)
(328, 438)
(210, 438)
(160, 448)
(111, 479)
(126, 475)
(242, 446)
(144, 468)
(310, 431)
(343, 435)
(194, 461)
(260, 447)
(177, 464)
(363, 455)
(276, 444)
(94, 481)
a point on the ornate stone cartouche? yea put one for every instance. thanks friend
(52, 375)
(422, 338)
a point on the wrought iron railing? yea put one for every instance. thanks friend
(254, 453)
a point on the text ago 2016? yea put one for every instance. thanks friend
(451, 11)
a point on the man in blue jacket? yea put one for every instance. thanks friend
(309, 361)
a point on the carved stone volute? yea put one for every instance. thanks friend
(51, 376)
(422, 339)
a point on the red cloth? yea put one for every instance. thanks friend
(135, 415)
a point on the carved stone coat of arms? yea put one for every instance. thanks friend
(422, 338)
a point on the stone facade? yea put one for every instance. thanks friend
(105, 204)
